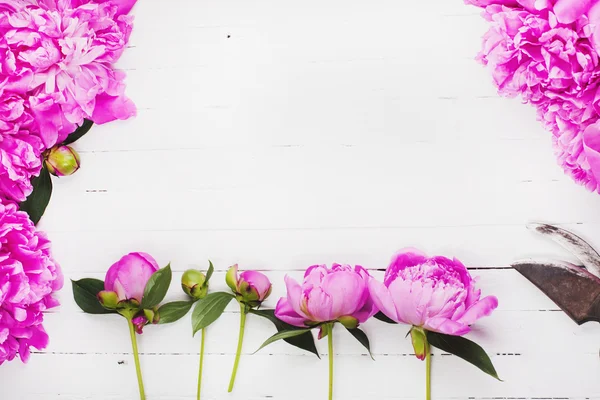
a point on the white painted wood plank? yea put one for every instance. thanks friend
(505, 333)
(294, 249)
(290, 377)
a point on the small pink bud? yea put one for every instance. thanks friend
(62, 161)
(250, 287)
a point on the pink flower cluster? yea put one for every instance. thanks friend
(547, 52)
(28, 277)
(56, 69)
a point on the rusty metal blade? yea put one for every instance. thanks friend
(572, 288)
(573, 243)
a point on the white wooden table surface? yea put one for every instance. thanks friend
(280, 134)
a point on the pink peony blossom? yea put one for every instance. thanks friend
(28, 278)
(59, 55)
(436, 293)
(547, 53)
(336, 294)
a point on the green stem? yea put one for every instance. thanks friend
(330, 348)
(239, 346)
(137, 359)
(201, 362)
(427, 370)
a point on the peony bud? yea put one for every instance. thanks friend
(62, 161)
(250, 287)
(194, 284)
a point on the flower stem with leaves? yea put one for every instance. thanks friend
(132, 271)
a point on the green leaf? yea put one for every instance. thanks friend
(35, 205)
(85, 292)
(283, 335)
(79, 132)
(173, 311)
(210, 271)
(382, 317)
(306, 341)
(209, 309)
(465, 349)
(362, 338)
(157, 287)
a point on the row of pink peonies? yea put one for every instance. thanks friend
(435, 293)
(547, 52)
(56, 69)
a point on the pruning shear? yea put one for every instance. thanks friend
(574, 288)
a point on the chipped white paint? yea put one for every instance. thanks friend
(279, 134)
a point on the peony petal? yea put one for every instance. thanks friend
(319, 306)
(294, 295)
(109, 108)
(346, 291)
(285, 312)
(400, 290)
(447, 326)
(568, 11)
(482, 308)
(382, 299)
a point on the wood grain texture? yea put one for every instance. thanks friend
(281, 134)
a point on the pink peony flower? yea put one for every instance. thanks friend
(547, 53)
(128, 276)
(59, 54)
(336, 294)
(28, 278)
(436, 293)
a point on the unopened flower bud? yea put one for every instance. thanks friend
(250, 287)
(193, 283)
(62, 161)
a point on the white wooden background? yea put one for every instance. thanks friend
(279, 134)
